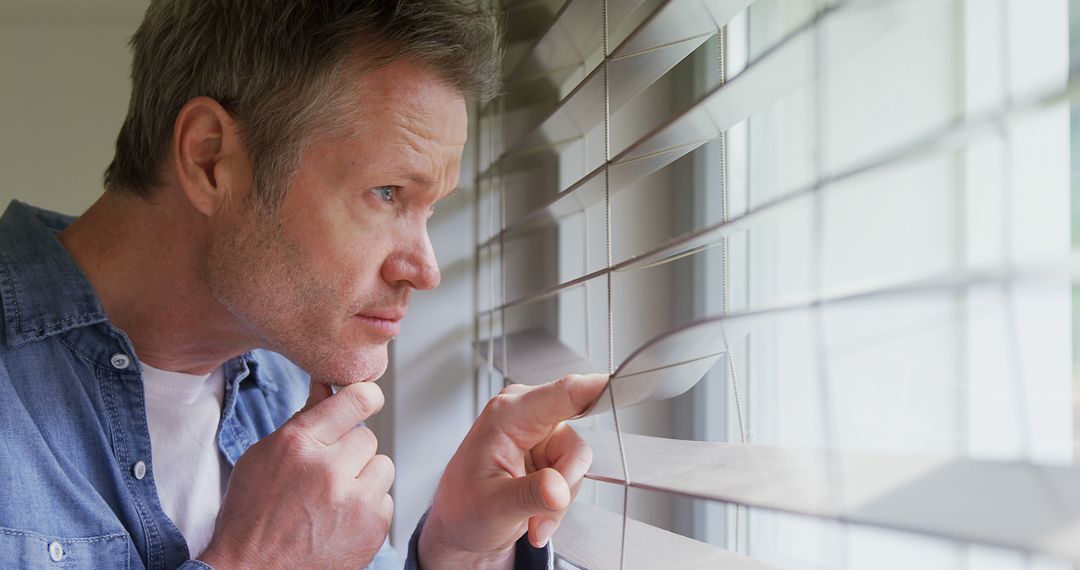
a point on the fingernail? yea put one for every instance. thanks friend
(544, 531)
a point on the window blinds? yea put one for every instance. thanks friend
(594, 174)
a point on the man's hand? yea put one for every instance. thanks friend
(311, 495)
(517, 470)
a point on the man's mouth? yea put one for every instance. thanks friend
(385, 322)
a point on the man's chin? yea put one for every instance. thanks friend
(350, 368)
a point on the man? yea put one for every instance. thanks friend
(264, 220)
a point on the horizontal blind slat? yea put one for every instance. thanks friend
(943, 139)
(571, 35)
(1026, 506)
(582, 109)
(674, 30)
(673, 362)
(535, 356)
(670, 34)
(778, 71)
(588, 536)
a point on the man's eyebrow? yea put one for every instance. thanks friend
(419, 179)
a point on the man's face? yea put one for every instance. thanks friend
(326, 279)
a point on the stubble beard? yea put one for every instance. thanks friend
(259, 277)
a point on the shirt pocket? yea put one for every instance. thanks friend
(24, 549)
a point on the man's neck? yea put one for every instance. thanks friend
(143, 261)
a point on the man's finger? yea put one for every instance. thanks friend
(543, 527)
(562, 399)
(515, 389)
(378, 475)
(355, 449)
(541, 492)
(565, 451)
(543, 497)
(387, 508)
(337, 415)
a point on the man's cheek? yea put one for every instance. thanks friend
(364, 272)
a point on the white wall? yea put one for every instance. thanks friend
(63, 94)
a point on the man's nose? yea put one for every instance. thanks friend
(413, 264)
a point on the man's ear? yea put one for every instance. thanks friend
(209, 156)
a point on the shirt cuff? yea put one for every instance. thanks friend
(526, 556)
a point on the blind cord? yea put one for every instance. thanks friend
(724, 253)
(500, 110)
(492, 147)
(610, 312)
(721, 65)
(588, 317)
(477, 399)
(491, 276)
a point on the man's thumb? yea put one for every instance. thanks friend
(543, 491)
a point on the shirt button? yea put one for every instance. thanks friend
(139, 470)
(56, 551)
(120, 361)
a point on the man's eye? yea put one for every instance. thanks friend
(385, 193)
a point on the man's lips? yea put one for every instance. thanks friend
(386, 321)
(393, 314)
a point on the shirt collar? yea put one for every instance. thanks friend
(247, 366)
(42, 288)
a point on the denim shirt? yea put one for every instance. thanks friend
(75, 462)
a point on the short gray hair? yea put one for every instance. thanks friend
(278, 66)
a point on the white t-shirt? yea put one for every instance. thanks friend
(183, 412)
